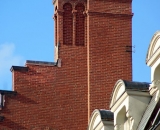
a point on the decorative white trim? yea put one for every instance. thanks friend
(97, 123)
(152, 90)
(131, 123)
(119, 102)
(154, 58)
(116, 91)
(147, 113)
(157, 96)
(138, 93)
(153, 52)
(93, 119)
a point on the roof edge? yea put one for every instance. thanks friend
(41, 63)
(18, 68)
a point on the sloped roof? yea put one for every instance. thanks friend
(106, 114)
(139, 86)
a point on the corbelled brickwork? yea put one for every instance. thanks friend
(93, 42)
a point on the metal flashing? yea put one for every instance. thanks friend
(41, 63)
(18, 68)
(132, 85)
(106, 115)
(7, 92)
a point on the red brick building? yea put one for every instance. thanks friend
(93, 50)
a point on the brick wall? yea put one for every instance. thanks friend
(62, 98)
(109, 32)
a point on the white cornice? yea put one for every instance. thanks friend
(118, 90)
(138, 93)
(154, 57)
(153, 50)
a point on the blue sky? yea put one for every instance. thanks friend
(27, 33)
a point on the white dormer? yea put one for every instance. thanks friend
(128, 103)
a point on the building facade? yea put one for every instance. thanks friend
(93, 49)
(134, 105)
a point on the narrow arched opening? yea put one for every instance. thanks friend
(67, 24)
(80, 24)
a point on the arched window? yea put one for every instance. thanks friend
(80, 24)
(67, 24)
